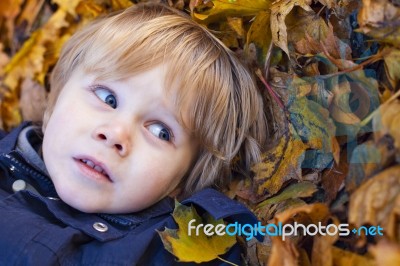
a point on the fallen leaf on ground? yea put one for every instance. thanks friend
(279, 165)
(279, 11)
(386, 253)
(377, 202)
(344, 258)
(231, 8)
(194, 248)
(298, 190)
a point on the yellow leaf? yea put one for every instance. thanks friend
(68, 5)
(89, 10)
(194, 248)
(279, 10)
(260, 34)
(278, 165)
(237, 25)
(120, 4)
(29, 62)
(227, 8)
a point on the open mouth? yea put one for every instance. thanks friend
(94, 168)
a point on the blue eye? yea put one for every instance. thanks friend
(106, 96)
(160, 131)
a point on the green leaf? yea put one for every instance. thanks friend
(298, 190)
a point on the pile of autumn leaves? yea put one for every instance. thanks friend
(330, 73)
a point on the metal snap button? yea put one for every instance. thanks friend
(52, 198)
(100, 227)
(18, 185)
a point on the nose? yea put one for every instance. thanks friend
(114, 136)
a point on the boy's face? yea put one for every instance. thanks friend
(116, 146)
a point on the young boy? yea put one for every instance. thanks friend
(145, 106)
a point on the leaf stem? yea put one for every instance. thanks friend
(270, 90)
(375, 112)
(371, 60)
(226, 261)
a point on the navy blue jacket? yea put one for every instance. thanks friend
(36, 228)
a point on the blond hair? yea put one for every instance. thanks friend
(225, 109)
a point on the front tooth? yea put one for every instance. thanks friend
(90, 163)
(98, 168)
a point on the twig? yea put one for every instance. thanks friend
(227, 261)
(270, 90)
(268, 60)
(371, 60)
(371, 115)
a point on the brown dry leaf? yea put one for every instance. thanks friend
(283, 253)
(329, 3)
(388, 122)
(3, 59)
(386, 253)
(380, 19)
(32, 101)
(377, 202)
(332, 179)
(9, 10)
(344, 258)
(340, 108)
(267, 212)
(322, 250)
(286, 252)
(306, 214)
(392, 65)
(279, 165)
(28, 63)
(327, 41)
(29, 12)
(279, 10)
